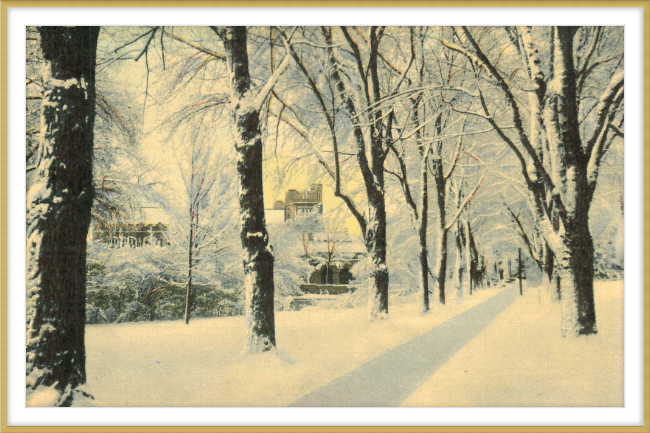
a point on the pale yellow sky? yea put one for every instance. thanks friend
(158, 152)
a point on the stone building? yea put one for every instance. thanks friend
(298, 204)
(133, 235)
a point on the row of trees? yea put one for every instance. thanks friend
(487, 113)
(552, 96)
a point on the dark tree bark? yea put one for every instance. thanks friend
(422, 229)
(551, 273)
(460, 263)
(468, 258)
(425, 152)
(576, 256)
(548, 265)
(482, 274)
(520, 270)
(373, 176)
(443, 232)
(472, 258)
(375, 240)
(59, 204)
(258, 255)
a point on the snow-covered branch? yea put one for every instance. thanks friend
(605, 103)
(464, 203)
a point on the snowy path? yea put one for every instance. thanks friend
(169, 363)
(521, 359)
(390, 379)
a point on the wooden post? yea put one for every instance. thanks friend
(520, 271)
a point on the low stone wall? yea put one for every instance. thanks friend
(299, 302)
(327, 289)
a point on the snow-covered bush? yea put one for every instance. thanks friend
(138, 284)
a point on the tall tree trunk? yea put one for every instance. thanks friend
(459, 262)
(423, 221)
(459, 273)
(575, 256)
(380, 135)
(441, 199)
(551, 273)
(425, 152)
(371, 165)
(468, 258)
(441, 265)
(548, 264)
(422, 232)
(59, 204)
(576, 273)
(474, 270)
(188, 295)
(376, 246)
(257, 253)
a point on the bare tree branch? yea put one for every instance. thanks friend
(464, 203)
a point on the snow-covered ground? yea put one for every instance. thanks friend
(172, 364)
(520, 359)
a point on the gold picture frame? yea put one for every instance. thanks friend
(4, 181)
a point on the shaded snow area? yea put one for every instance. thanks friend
(202, 364)
(520, 359)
